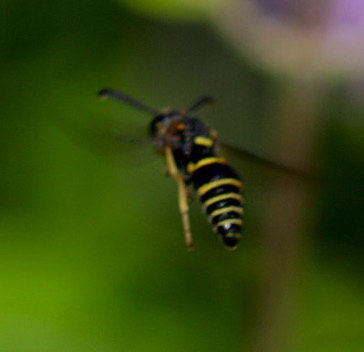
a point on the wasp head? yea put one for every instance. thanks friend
(167, 128)
(162, 123)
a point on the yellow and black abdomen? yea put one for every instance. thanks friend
(220, 192)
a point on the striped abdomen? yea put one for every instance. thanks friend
(219, 190)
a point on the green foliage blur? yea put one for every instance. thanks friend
(92, 255)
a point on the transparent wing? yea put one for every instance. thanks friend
(261, 175)
(266, 164)
(114, 138)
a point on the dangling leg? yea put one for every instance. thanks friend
(182, 195)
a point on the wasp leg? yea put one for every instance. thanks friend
(182, 195)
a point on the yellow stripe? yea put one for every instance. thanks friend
(191, 168)
(225, 210)
(222, 197)
(229, 221)
(204, 141)
(233, 235)
(213, 184)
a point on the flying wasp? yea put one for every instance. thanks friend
(189, 148)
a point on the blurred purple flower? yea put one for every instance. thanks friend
(302, 13)
(307, 37)
(345, 27)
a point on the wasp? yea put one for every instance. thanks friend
(189, 148)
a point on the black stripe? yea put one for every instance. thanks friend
(226, 216)
(212, 172)
(222, 204)
(232, 228)
(219, 190)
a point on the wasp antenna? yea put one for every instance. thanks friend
(116, 94)
(200, 103)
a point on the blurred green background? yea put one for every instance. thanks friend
(92, 250)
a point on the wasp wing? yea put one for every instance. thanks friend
(120, 140)
(243, 156)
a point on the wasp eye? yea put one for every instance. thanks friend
(157, 124)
